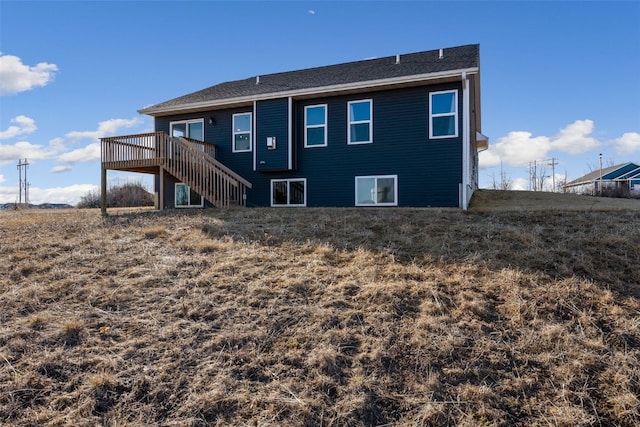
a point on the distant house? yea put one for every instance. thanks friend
(624, 178)
(403, 130)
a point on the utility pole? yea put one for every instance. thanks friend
(23, 185)
(600, 155)
(553, 173)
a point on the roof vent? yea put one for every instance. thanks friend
(257, 80)
(397, 59)
(440, 54)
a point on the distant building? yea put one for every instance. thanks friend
(624, 178)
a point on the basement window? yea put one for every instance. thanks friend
(187, 198)
(379, 190)
(443, 114)
(241, 132)
(289, 192)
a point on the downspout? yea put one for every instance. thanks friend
(254, 131)
(290, 132)
(466, 143)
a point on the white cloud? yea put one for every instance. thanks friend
(311, 12)
(60, 169)
(86, 154)
(516, 149)
(8, 194)
(70, 194)
(91, 152)
(17, 77)
(24, 125)
(105, 128)
(628, 143)
(2, 179)
(520, 147)
(10, 153)
(575, 139)
(520, 184)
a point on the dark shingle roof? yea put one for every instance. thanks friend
(413, 64)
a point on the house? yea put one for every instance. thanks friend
(403, 130)
(623, 178)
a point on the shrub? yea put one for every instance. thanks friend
(126, 195)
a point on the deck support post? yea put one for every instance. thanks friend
(103, 191)
(161, 190)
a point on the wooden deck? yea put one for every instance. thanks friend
(190, 161)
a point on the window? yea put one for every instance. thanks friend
(377, 190)
(315, 126)
(289, 192)
(443, 114)
(241, 132)
(187, 198)
(360, 127)
(193, 129)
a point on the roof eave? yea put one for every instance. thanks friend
(450, 75)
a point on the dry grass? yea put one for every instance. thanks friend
(500, 201)
(327, 317)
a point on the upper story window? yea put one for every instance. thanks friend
(241, 132)
(443, 114)
(193, 129)
(360, 126)
(315, 125)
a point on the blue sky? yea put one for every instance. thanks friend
(559, 79)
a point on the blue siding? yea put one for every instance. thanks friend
(619, 172)
(272, 117)
(429, 171)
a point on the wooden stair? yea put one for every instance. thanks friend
(190, 161)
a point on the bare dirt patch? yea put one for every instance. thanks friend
(328, 317)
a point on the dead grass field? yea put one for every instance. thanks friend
(321, 317)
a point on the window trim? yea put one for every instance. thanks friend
(234, 133)
(375, 202)
(356, 122)
(454, 114)
(187, 122)
(287, 180)
(175, 200)
(326, 113)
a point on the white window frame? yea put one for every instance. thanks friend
(187, 122)
(358, 122)
(375, 201)
(326, 110)
(454, 114)
(187, 135)
(234, 132)
(175, 194)
(287, 180)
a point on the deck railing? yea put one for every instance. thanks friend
(191, 161)
(131, 151)
(204, 174)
